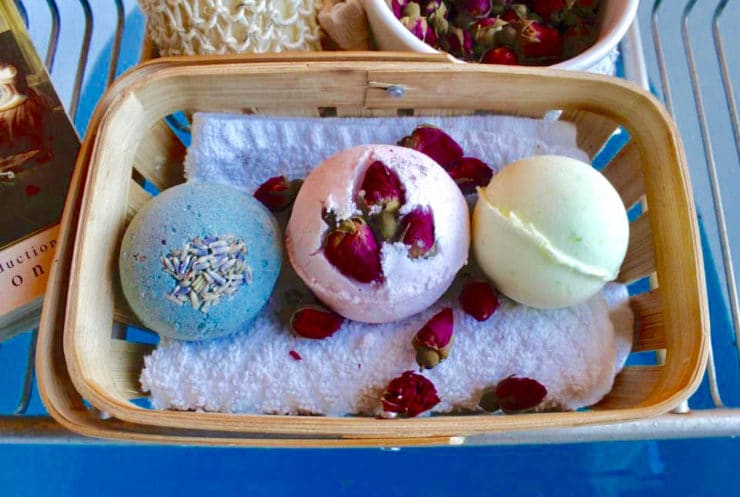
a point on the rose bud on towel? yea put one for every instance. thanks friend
(315, 322)
(277, 193)
(514, 395)
(434, 340)
(435, 143)
(470, 173)
(417, 228)
(352, 249)
(479, 300)
(408, 395)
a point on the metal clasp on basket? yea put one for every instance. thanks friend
(393, 89)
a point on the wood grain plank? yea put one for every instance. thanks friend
(624, 172)
(640, 259)
(126, 363)
(648, 310)
(632, 386)
(593, 129)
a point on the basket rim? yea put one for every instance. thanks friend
(142, 74)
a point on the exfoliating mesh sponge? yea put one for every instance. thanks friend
(200, 261)
(199, 27)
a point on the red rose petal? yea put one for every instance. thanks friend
(315, 322)
(409, 395)
(479, 300)
(32, 190)
(520, 394)
(295, 355)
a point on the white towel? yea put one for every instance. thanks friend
(574, 352)
(244, 151)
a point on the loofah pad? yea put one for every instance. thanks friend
(192, 27)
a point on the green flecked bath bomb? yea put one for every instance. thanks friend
(200, 261)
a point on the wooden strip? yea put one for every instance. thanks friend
(121, 310)
(159, 157)
(287, 111)
(354, 111)
(625, 174)
(640, 258)
(446, 112)
(648, 310)
(137, 197)
(126, 363)
(632, 386)
(593, 129)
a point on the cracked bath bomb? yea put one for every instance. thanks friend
(378, 232)
(200, 261)
(550, 231)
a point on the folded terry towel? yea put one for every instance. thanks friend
(575, 352)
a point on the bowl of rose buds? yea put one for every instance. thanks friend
(566, 34)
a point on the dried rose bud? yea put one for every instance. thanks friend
(474, 8)
(546, 8)
(577, 39)
(277, 193)
(429, 7)
(412, 10)
(420, 28)
(501, 55)
(538, 40)
(438, 19)
(434, 340)
(507, 35)
(479, 300)
(470, 173)
(417, 228)
(499, 6)
(381, 187)
(409, 395)
(519, 394)
(484, 30)
(519, 11)
(352, 249)
(586, 5)
(435, 143)
(397, 7)
(459, 42)
(315, 322)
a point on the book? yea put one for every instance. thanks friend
(38, 150)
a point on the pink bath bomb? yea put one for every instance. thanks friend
(342, 249)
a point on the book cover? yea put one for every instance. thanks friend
(38, 150)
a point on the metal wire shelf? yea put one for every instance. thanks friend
(641, 64)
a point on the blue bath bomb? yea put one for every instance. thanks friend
(200, 261)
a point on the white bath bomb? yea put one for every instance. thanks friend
(550, 231)
(385, 281)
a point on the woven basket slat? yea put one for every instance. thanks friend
(624, 173)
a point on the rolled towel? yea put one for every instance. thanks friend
(574, 352)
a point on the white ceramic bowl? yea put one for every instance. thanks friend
(390, 34)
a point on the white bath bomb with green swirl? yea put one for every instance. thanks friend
(550, 231)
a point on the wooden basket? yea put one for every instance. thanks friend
(127, 141)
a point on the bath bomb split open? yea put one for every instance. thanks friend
(408, 285)
(200, 261)
(550, 231)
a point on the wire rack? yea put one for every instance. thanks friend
(684, 59)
